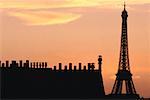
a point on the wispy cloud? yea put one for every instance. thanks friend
(37, 12)
(44, 17)
(140, 7)
(38, 4)
(26, 4)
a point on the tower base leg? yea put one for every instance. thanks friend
(124, 96)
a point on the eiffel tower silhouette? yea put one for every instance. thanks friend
(124, 73)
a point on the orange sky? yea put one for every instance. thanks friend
(77, 31)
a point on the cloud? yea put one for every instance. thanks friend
(141, 7)
(38, 4)
(46, 5)
(44, 17)
(37, 12)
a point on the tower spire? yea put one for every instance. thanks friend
(124, 5)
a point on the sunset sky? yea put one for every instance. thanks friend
(78, 31)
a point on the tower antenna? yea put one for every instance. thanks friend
(124, 5)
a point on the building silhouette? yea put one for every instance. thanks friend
(19, 81)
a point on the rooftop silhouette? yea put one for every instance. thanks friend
(37, 80)
(43, 65)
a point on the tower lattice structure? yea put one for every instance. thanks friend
(124, 75)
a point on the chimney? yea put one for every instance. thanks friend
(60, 66)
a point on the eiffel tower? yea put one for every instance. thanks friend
(124, 74)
